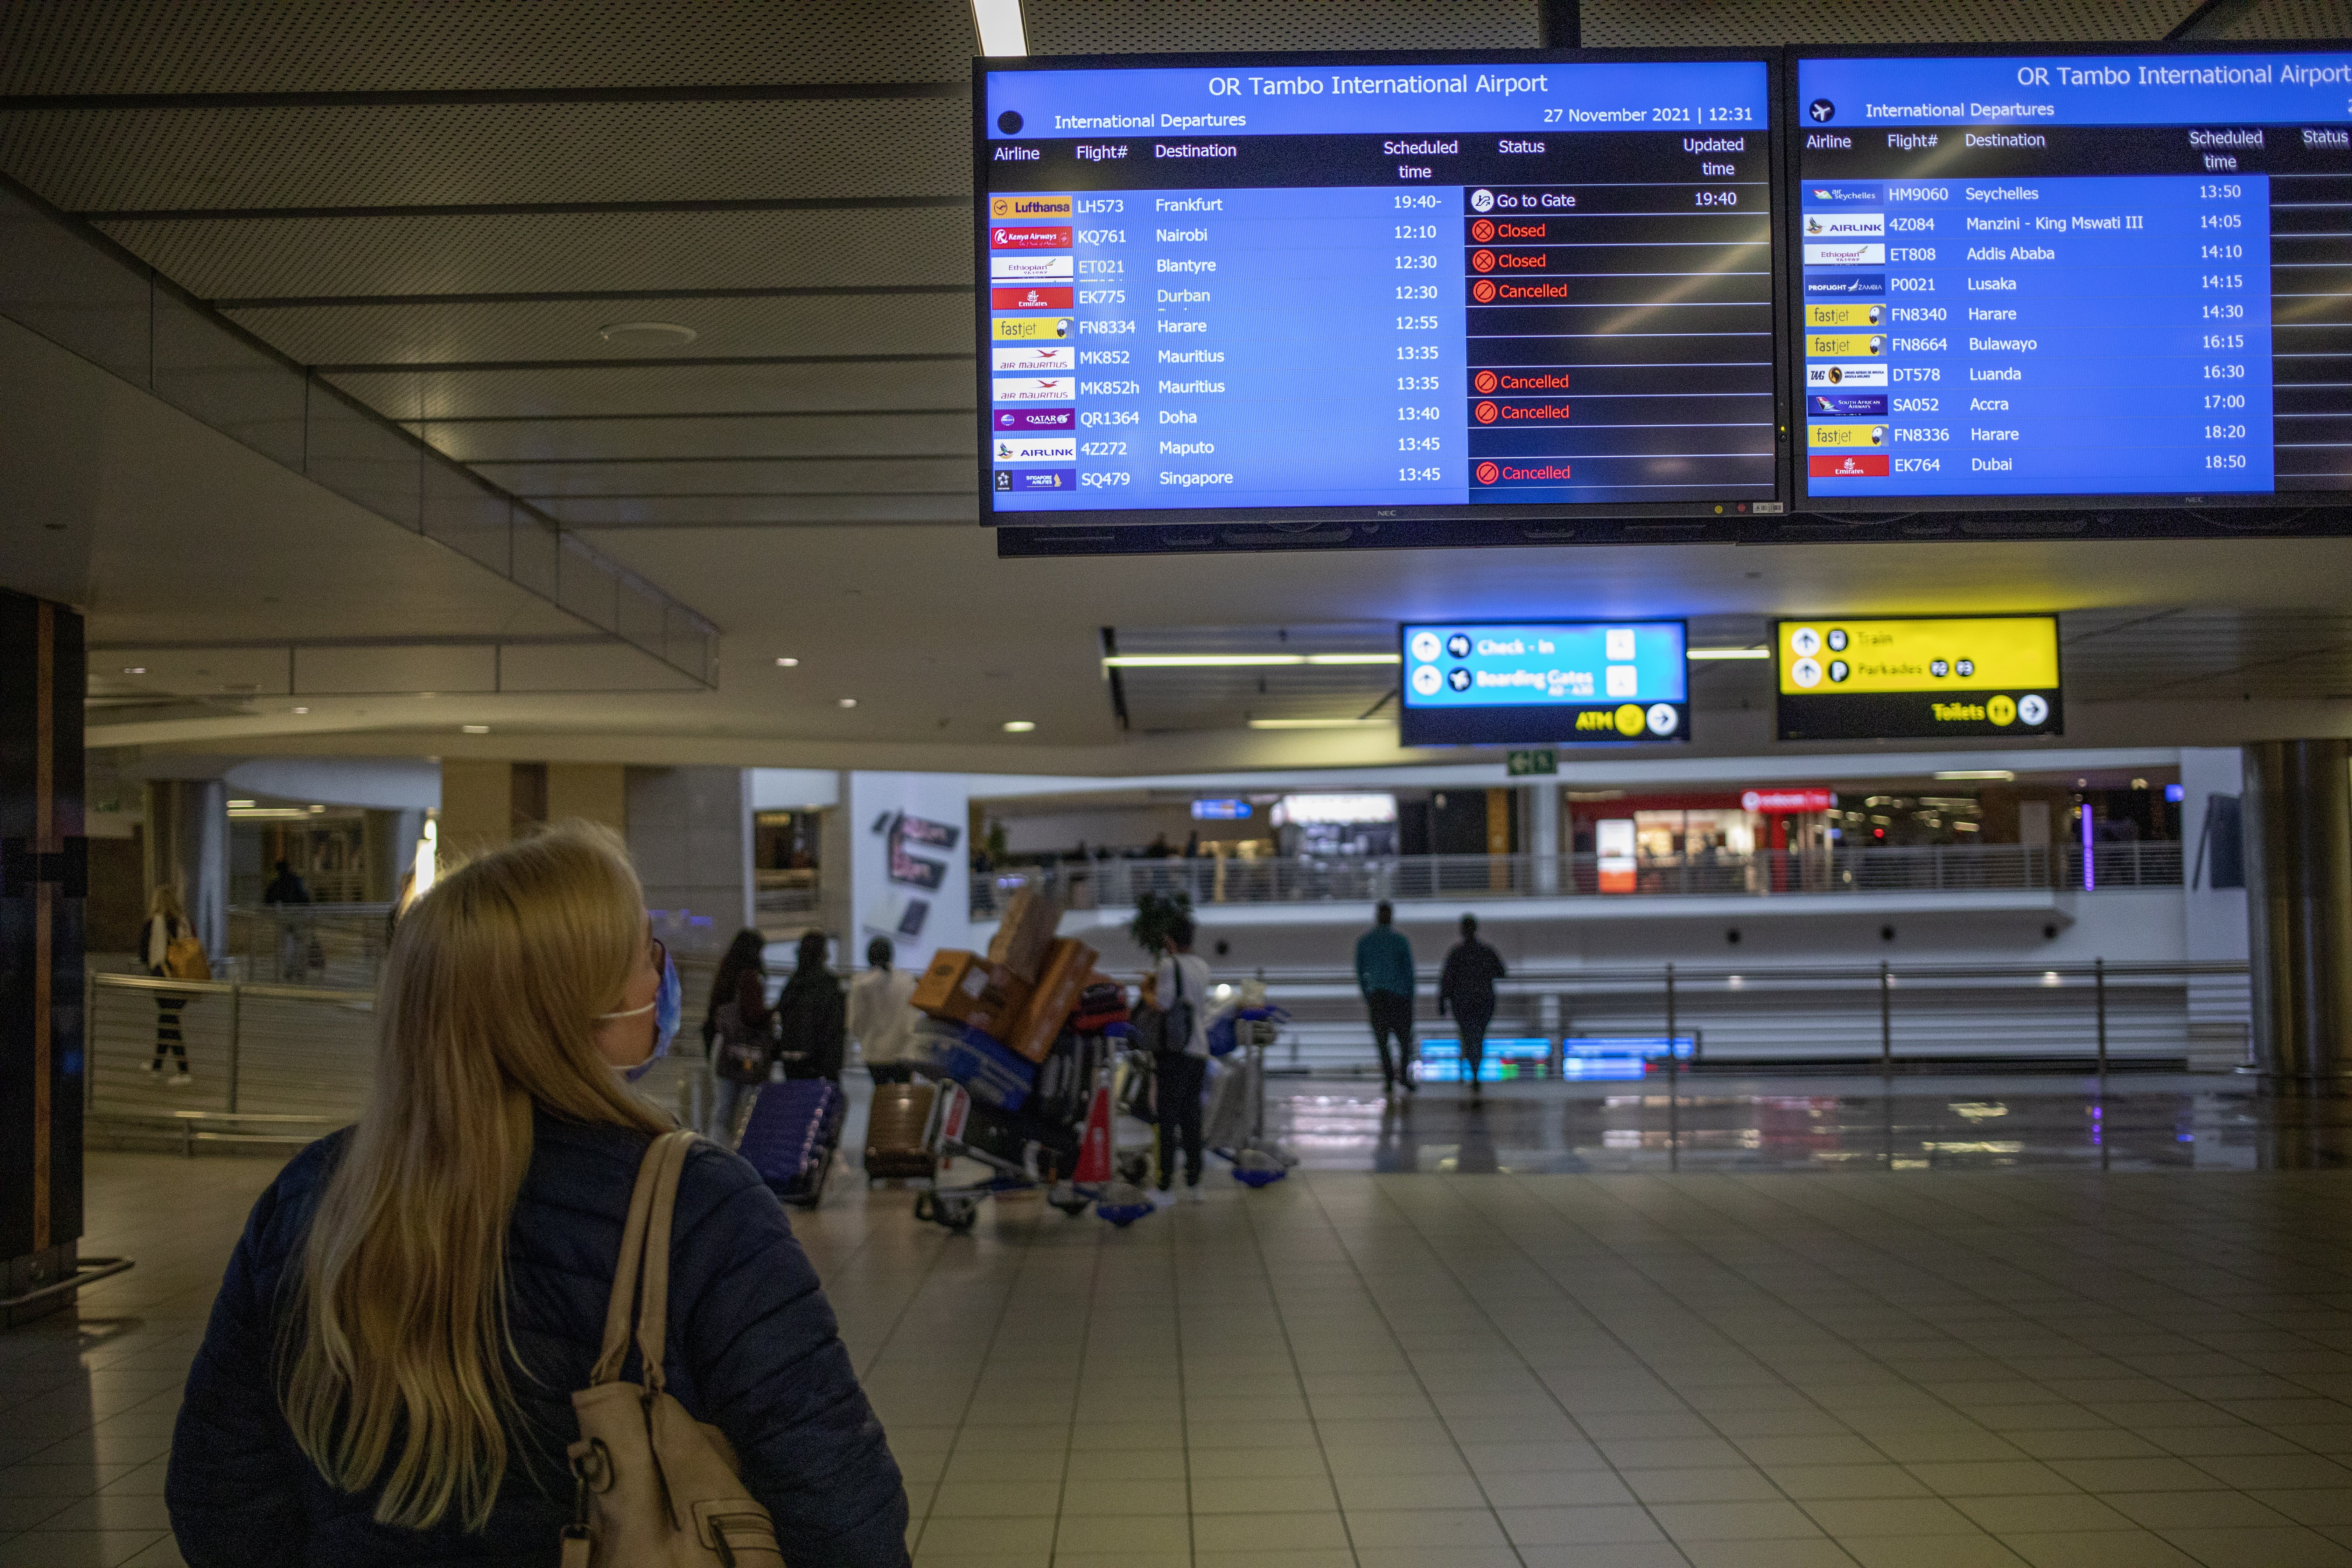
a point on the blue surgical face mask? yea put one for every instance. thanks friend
(668, 1007)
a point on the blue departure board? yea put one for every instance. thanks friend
(1372, 286)
(1501, 683)
(2027, 277)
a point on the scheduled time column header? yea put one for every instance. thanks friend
(2077, 90)
(1321, 100)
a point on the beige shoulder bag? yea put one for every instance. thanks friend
(656, 1488)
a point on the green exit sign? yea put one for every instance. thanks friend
(1521, 764)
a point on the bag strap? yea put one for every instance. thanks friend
(645, 1252)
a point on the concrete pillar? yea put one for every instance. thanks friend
(594, 791)
(2298, 844)
(187, 845)
(43, 887)
(477, 807)
(2213, 914)
(1540, 809)
(688, 829)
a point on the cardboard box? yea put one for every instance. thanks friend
(965, 988)
(1025, 934)
(1068, 965)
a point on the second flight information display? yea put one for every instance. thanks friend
(2075, 276)
(1378, 288)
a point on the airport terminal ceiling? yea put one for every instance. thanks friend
(702, 295)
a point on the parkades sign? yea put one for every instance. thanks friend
(1786, 800)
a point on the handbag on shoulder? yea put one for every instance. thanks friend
(739, 1054)
(654, 1488)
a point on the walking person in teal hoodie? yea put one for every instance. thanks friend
(1384, 975)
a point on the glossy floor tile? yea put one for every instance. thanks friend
(1710, 1367)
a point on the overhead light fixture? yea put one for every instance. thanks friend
(428, 694)
(250, 812)
(134, 669)
(1321, 723)
(1238, 661)
(671, 333)
(787, 663)
(240, 805)
(301, 710)
(473, 728)
(315, 809)
(998, 22)
(1730, 653)
(2000, 775)
(846, 702)
(1019, 726)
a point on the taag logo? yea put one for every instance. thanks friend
(1822, 111)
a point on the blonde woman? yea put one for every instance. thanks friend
(388, 1372)
(167, 922)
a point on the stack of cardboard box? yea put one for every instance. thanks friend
(1017, 998)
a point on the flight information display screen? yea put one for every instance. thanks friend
(1501, 683)
(1372, 286)
(2028, 277)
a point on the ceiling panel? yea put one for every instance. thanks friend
(707, 435)
(323, 46)
(1107, 26)
(655, 388)
(405, 154)
(750, 511)
(441, 333)
(546, 483)
(539, 252)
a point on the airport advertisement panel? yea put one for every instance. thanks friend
(1578, 682)
(1848, 679)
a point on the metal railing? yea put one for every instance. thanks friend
(787, 893)
(1880, 1017)
(1946, 868)
(338, 946)
(269, 1064)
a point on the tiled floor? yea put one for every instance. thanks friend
(1896, 1369)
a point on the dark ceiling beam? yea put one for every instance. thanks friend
(744, 92)
(585, 295)
(518, 209)
(451, 367)
(1559, 24)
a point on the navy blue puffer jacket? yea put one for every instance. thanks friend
(752, 1349)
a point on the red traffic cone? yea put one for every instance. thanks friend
(1093, 1150)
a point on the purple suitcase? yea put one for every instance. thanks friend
(790, 1136)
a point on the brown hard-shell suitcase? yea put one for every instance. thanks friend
(894, 1132)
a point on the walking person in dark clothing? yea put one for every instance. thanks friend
(1466, 989)
(743, 981)
(1384, 975)
(812, 1016)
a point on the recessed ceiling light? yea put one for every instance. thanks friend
(134, 669)
(316, 808)
(240, 805)
(1731, 653)
(847, 702)
(787, 663)
(670, 332)
(1019, 726)
(2001, 775)
(1321, 723)
(428, 694)
(473, 728)
(301, 711)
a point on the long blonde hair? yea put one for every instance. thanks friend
(165, 901)
(487, 1004)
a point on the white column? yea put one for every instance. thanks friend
(1540, 807)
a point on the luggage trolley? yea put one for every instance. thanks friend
(1025, 1150)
